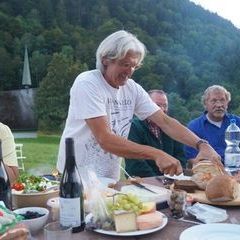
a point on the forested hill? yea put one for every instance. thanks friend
(189, 48)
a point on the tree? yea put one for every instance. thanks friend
(53, 93)
(38, 63)
(61, 13)
(5, 68)
(177, 108)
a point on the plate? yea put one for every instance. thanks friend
(213, 231)
(178, 177)
(133, 233)
(162, 194)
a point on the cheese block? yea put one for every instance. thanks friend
(125, 221)
(161, 194)
(148, 207)
(149, 220)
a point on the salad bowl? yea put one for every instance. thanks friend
(34, 191)
(35, 199)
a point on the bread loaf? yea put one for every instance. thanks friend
(207, 166)
(19, 232)
(222, 188)
(187, 185)
(204, 171)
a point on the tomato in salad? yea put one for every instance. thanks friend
(18, 186)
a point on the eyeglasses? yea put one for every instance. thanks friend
(127, 65)
(215, 101)
(163, 106)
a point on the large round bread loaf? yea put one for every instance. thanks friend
(204, 171)
(207, 166)
(222, 188)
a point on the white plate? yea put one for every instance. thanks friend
(135, 233)
(213, 231)
(178, 177)
(162, 194)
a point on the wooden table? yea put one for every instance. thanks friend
(171, 231)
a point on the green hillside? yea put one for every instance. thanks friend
(189, 49)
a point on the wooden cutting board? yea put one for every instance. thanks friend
(200, 196)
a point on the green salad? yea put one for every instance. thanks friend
(30, 183)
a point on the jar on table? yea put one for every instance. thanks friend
(177, 203)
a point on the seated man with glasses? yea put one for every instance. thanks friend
(212, 124)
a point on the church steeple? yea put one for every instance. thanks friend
(26, 77)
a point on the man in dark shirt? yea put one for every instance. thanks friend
(147, 133)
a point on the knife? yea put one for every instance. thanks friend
(139, 185)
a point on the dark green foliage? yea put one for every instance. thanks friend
(53, 92)
(177, 108)
(188, 49)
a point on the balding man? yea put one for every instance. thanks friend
(148, 133)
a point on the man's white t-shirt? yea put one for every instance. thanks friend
(91, 96)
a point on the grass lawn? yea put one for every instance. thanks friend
(41, 153)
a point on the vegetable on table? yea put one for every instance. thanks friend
(30, 183)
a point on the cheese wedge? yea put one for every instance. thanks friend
(149, 220)
(125, 221)
(148, 207)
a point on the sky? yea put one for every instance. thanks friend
(228, 9)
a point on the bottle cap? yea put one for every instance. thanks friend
(232, 120)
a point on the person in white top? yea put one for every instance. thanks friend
(102, 105)
(9, 152)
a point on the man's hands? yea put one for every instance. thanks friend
(206, 152)
(169, 165)
(13, 173)
(128, 149)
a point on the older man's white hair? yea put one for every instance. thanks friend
(117, 45)
(215, 88)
